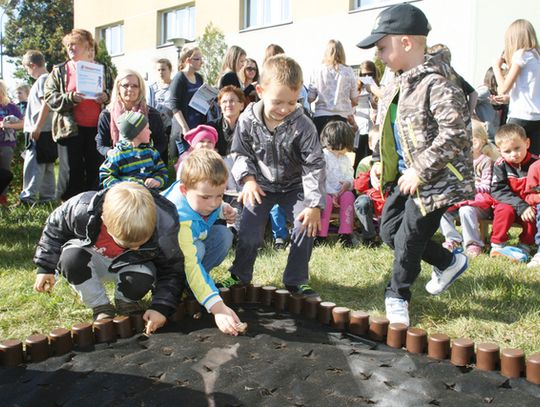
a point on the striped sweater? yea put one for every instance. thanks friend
(129, 163)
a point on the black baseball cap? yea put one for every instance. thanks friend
(399, 19)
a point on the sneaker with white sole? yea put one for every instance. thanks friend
(510, 252)
(397, 310)
(535, 261)
(442, 279)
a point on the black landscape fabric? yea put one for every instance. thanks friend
(281, 361)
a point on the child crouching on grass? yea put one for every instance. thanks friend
(198, 198)
(338, 138)
(469, 212)
(125, 234)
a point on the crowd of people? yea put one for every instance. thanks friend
(396, 157)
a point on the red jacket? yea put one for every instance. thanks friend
(509, 182)
(362, 185)
(532, 188)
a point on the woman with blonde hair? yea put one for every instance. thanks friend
(75, 116)
(129, 94)
(184, 85)
(233, 63)
(332, 87)
(522, 80)
(10, 120)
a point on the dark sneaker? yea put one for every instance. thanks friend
(302, 289)
(280, 244)
(229, 282)
(346, 241)
(103, 311)
(127, 308)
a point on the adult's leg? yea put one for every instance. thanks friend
(76, 182)
(6, 156)
(32, 175)
(48, 183)
(63, 172)
(92, 158)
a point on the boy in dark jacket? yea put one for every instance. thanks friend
(508, 187)
(125, 234)
(279, 161)
(425, 153)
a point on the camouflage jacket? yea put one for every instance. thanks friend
(435, 132)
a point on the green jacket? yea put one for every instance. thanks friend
(61, 102)
(435, 133)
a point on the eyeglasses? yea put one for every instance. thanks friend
(372, 74)
(251, 68)
(129, 86)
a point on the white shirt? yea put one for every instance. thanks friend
(338, 170)
(525, 94)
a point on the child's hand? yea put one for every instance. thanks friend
(151, 183)
(345, 186)
(375, 175)
(229, 213)
(44, 283)
(154, 320)
(226, 319)
(409, 181)
(311, 221)
(251, 193)
(335, 201)
(528, 215)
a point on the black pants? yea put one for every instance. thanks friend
(84, 161)
(409, 233)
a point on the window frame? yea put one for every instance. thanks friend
(247, 6)
(356, 5)
(163, 39)
(103, 36)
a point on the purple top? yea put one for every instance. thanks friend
(7, 136)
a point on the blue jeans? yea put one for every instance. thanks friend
(213, 250)
(279, 223)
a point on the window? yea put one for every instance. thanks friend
(363, 4)
(261, 13)
(178, 23)
(114, 38)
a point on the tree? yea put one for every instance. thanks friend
(104, 58)
(213, 47)
(36, 24)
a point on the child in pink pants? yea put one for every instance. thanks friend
(337, 138)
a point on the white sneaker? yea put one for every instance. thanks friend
(535, 261)
(442, 279)
(397, 310)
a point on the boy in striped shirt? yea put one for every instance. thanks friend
(134, 158)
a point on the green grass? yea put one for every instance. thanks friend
(494, 301)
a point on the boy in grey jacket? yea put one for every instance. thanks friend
(425, 153)
(279, 161)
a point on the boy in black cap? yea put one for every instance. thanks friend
(424, 155)
(133, 158)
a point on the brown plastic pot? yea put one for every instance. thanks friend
(11, 353)
(253, 293)
(280, 299)
(267, 294)
(83, 336)
(533, 368)
(416, 340)
(439, 346)
(295, 303)
(104, 330)
(311, 307)
(487, 356)
(359, 323)
(462, 352)
(61, 341)
(325, 312)
(396, 335)
(340, 318)
(512, 362)
(238, 293)
(378, 328)
(122, 325)
(226, 296)
(37, 347)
